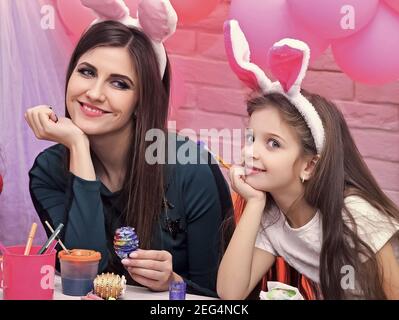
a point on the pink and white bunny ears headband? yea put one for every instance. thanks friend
(288, 61)
(156, 18)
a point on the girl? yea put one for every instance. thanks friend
(310, 198)
(117, 89)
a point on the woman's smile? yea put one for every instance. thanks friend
(91, 111)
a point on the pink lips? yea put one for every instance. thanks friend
(250, 171)
(91, 111)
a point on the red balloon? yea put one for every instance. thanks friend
(189, 11)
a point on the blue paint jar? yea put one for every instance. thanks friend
(79, 268)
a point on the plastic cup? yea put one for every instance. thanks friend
(79, 268)
(28, 277)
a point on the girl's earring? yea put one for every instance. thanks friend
(302, 179)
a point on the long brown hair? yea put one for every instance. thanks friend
(143, 187)
(340, 172)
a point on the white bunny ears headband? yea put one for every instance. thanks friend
(288, 61)
(156, 18)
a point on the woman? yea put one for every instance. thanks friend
(115, 94)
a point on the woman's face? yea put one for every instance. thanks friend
(102, 91)
(272, 155)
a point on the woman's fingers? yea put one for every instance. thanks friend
(54, 117)
(149, 274)
(151, 284)
(151, 281)
(146, 264)
(154, 261)
(46, 123)
(29, 122)
(33, 124)
(151, 268)
(160, 255)
(43, 120)
(38, 118)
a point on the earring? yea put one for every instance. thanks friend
(302, 179)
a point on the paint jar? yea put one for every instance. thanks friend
(79, 268)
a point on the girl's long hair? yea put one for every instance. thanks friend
(340, 172)
(143, 187)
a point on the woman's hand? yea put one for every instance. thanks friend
(239, 185)
(151, 268)
(46, 126)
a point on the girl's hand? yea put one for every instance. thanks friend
(237, 179)
(47, 126)
(151, 268)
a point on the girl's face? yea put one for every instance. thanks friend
(272, 155)
(102, 91)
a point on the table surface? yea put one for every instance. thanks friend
(132, 293)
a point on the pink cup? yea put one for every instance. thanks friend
(1, 271)
(28, 277)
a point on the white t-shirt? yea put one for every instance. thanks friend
(301, 247)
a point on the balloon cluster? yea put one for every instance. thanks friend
(76, 18)
(363, 34)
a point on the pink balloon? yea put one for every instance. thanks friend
(189, 11)
(77, 18)
(265, 22)
(329, 18)
(394, 4)
(371, 55)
